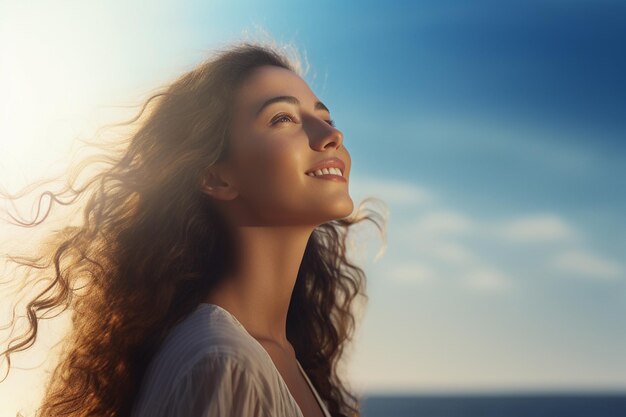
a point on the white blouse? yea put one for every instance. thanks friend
(210, 366)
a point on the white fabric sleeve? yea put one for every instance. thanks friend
(217, 385)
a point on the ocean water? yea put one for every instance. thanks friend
(566, 405)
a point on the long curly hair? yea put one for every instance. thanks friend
(151, 246)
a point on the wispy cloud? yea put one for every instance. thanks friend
(451, 252)
(442, 222)
(581, 263)
(411, 273)
(536, 228)
(397, 193)
(487, 279)
(450, 242)
(436, 236)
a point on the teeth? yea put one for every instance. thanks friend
(326, 171)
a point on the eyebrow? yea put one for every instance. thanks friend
(289, 99)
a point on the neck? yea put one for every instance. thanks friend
(258, 293)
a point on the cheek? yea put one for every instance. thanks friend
(273, 162)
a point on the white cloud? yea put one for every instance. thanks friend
(538, 228)
(411, 272)
(391, 191)
(486, 279)
(434, 236)
(439, 237)
(443, 222)
(451, 252)
(583, 263)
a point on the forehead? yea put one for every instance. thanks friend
(269, 81)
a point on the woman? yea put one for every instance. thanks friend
(210, 276)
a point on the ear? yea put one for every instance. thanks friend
(218, 184)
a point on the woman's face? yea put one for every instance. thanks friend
(274, 146)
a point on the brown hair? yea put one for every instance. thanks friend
(151, 246)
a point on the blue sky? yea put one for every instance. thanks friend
(494, 130)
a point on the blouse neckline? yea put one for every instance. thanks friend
(306, 377)
(317, 396)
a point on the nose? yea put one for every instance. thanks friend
(328, 137)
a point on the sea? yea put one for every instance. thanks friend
(496, 405)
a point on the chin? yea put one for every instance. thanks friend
(343, 210)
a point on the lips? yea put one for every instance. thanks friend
(329, 163)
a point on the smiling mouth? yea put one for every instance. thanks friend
(326, 171)
(329, 176)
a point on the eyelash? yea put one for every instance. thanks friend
(280, 116)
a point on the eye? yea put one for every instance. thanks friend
(282, 116)
(287, 116)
